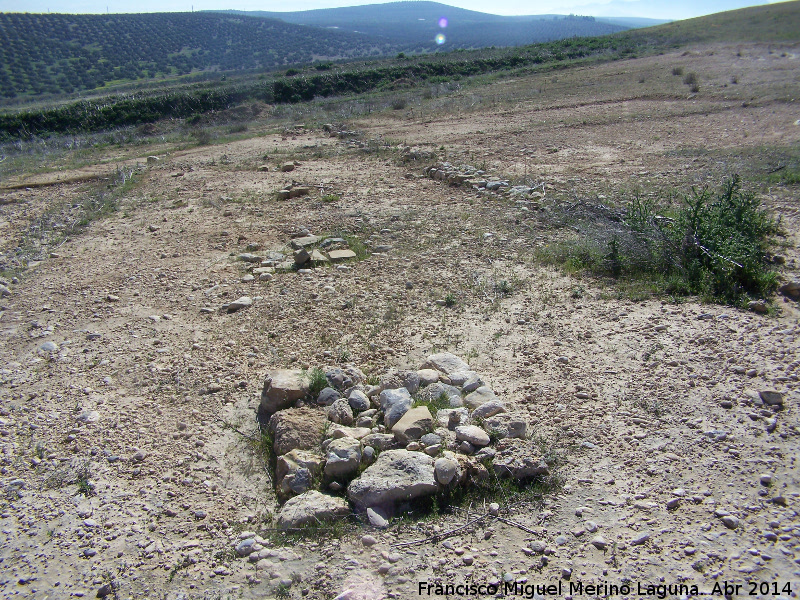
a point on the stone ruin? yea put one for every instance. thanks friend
(368, 448)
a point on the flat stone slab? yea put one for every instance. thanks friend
(311, 508)
(302, 242)
(240, 303)
(340, 255)
(446, 363)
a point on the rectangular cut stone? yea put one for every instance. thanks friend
(302, 242)
(339, 255)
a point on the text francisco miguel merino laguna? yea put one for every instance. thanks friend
(573, 588)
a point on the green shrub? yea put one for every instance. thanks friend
(316, 381)
(714, 246)
(723, 244)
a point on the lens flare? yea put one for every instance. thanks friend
(440, 39)
(443, 22)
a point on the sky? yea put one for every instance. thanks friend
(657, 9)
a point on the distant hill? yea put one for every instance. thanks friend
(57, 53)
(771, 23)
(416, 24)
(779, 22)
(632, 22)
(672, 10)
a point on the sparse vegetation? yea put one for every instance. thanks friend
(316, 381)
(399, 103)
(434, 405)
(714, 246)
(357, 245)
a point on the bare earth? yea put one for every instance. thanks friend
(638, 409)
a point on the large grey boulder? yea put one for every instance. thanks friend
(472, 434)
(397, 379)
(380, 441)
(427, 376)
(771, 397)
(298, 428)
(505, 426)
(358, 400)
(282, 388)
(394, 404)
(328, 396)
(340, 412)
(413, 425)
(395, 475)
(296, 472)
(489, 409)
(479, 397)
(311, 508)
(445, 470)
(446, 363)
(460, 378)
(450, 418)
(344, 457)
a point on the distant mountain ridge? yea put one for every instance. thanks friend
(774, 23)
(52, 54)
(417, 23)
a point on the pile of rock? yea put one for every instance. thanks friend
(339, 131)
(413, 154)
(477, 179)
(293, 190)
(387, 443)
(303, 251)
